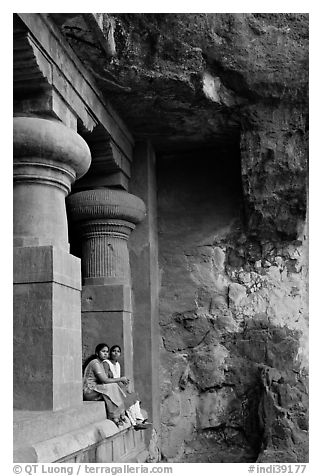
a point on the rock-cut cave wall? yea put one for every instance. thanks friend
(233, 90)
(233, 312)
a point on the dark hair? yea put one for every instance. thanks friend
(93, 356)
(99, 347)
(115, 347)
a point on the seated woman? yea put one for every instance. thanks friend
(97, 385)
(112, 366)
(100, 384)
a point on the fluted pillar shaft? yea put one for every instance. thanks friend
(105, 248)
(106, 218)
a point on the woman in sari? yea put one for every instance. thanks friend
(101, 385)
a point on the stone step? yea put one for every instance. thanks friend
(30, 427)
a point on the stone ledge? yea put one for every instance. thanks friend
(61, 446)
(126, 446)
(97, 442)
(30, 427)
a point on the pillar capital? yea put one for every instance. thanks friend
(106, 218)
(48, 158)
(50, 144)
(106, 203)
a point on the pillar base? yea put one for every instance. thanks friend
(47, 329)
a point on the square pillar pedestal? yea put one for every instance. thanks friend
(47, 329)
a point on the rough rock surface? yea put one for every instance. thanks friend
(233, 316)
(198, 80)
(231, 88)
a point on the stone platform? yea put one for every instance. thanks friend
(81, 434)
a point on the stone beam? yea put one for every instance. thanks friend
(43, 47)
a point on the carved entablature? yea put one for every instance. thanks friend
(38, 85)
(50, 81)
(31, 69)
(110, 166)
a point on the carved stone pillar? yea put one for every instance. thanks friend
(106, 218)
(48, 157)
(145, 274)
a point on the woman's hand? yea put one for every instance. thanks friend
(125, 380)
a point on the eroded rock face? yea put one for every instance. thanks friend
(191, 75)
(274, 171)
(233, 314)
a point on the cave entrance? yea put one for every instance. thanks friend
(199, 197)
(200, 208)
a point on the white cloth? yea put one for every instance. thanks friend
(134, 412)
(115, 368)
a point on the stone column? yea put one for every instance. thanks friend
(144, 262)
(106, 218)
(48, 157)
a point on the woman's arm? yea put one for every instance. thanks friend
(129, 389)
(103, 378)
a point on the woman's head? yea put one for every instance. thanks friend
(102, 351)
(115, 352)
